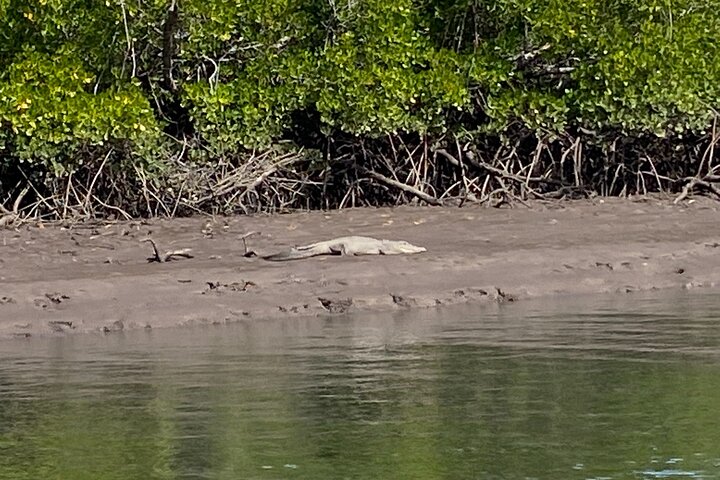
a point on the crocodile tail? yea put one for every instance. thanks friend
(288, 255)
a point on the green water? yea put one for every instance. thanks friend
(615, 388)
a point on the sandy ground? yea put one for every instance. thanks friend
(96, 278)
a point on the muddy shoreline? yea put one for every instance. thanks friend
(96, 278)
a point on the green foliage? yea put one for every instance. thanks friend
(78, 77)
(383, 74)
(253, 108)
(372, 72)
(640, 66)
(49, 106)
(58, 97)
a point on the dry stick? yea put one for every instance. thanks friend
(11, 216)
(640, 179)
(3, 208)
(508, 193)
(113, 207)
(449, 157)
(710, 177)
(67, 194)
(418, 173)
(536, 158)
(414, 171)
(425, 162)
(447, 190)
(177, 199)
(141, 173)
(715, 139)
(577, 160)
(710, 150)
(169, 255)
(563, 158)
(239, 197)
(485, 186)
(259, 180)
(615, 177)
(92, 183)
(509, 176)
(78, 203)
(16, 204)
(248, 253)
(419, 169)
(463, 172)
(479, 165)
(466, 188)
(655, 173)
(348, 194)
(405, 188)
(503, 190)
(693, 182)
(159, 202)
(457, 162)
(33, 208)
(156, 253)
(43, 200)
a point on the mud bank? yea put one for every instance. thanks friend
(96, 278)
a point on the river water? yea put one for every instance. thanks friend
(588, 388)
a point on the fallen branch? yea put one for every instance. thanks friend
(405, 188)
(248, 253)
(692, 183)
(167, 256)
(484, 166)
(10, 217)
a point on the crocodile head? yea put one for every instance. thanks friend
(401, 246)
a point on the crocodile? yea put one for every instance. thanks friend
(347, 246)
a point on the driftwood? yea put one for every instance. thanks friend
(167, 256)
(405, 188)
(10, 217)
(248, 253)
(691, 183)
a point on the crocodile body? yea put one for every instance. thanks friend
(347, 246)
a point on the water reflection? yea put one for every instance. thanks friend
(620, 388)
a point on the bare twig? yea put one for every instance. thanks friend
(248, 253)
(167, 256)
(405, 188)
(89, 193)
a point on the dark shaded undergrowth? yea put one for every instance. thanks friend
(116, 109)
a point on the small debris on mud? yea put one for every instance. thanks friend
(401, 301)
(336, 305)
(60, 325)
(218, 287)
(248, 253)
(116, 326)
(56, 298)
(503, 296)
(293, 309)
(167, 256)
